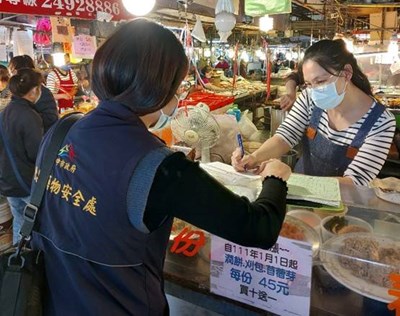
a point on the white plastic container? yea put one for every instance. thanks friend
(307, 217)
(351, 221)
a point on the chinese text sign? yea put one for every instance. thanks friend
(277, 280)
(83, 9)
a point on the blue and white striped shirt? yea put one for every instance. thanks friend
(372, 154)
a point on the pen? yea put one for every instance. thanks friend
(240, 142)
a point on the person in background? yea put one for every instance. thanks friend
(293, 80)
(23, 128)
(63, 83)
(46, 106)
(345, 132)
(5, 93)
(222, 64)
(252, 75)
(110, 229)
(243, 69)
(84, 90)
(206, 75)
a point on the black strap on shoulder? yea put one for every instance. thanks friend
(49, 156)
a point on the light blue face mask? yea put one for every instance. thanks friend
(327, 97)
(65, 67)
(163, 120)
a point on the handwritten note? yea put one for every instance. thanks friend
(84, 46)
(324, 190)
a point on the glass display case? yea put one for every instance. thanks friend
(355, 254)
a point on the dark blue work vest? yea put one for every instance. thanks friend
(97, 262)
(322, 157)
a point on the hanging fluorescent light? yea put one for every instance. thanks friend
(58, 54)
(139, 7)
(58, 59)
(225, 20)
(266, 23)
(207, 53)
(289, 56)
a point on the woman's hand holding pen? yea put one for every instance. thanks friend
(242, 163)
(271, 167)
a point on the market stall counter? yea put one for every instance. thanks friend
(335, 289)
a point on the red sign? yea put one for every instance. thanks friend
(82, 9)
(395, 305)
(193, 239)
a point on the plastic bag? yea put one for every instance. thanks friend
(246, 126)
(227, 142)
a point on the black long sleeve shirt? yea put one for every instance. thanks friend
(23, 127)
(183, 190)
(47, 108)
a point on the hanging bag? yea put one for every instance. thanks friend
(22, 274)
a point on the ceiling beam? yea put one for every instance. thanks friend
(193, 8)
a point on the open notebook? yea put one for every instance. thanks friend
(304, 191)
(318, 191)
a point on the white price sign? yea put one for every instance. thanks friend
(277, 280)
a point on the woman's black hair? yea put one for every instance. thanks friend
(24, 81)
(141, 65)
(332, 55)
(21, 61)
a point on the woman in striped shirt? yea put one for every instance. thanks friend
(345, 133)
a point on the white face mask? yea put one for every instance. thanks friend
(163, 120)
(327, 97)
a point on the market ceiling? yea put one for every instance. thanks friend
(308, 16)
(326, 16)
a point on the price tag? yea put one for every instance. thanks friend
(84, 46)
(277, 280)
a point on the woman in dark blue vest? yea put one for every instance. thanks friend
(105, 220)
(22, 132)
(46, 105)
(344, 131)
